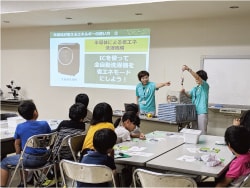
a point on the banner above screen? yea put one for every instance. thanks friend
(98, 59)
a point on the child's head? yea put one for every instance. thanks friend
(237, 138)
(27, 110)
(77, 112)
(128, 120)
(82, 98)
(104, 140)
(132, 107)
(202, 74)
(245, 120)
(102, 113)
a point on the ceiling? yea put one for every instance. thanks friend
(52, 13)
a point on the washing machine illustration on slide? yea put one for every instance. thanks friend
(68, 58)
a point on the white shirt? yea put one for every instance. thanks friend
(122, 134)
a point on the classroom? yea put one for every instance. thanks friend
(181, 33)
(173, 43)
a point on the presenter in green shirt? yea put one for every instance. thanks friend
(199, 96)
(145, 93)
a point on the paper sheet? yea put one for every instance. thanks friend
(187, 158)
(142, 154)
(136, 149)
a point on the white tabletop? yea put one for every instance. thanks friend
(7, 132)
(156, 144)
(169, 160)
(119, 113)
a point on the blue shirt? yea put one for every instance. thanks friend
(30, 128)
(199, 95)
(146, 97)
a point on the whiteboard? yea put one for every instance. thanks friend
(229, 80)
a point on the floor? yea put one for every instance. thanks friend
(17, 180)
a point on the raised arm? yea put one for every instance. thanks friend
(196, 76)
(159, 85)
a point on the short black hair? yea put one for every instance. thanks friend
(130, 115)
(238, 138)
(102, 113)
(132, 107)
(104, 139)
(77, 112)
(26, 109)
(142, 74)
(245, 119)
(82, 98)
(202, 74)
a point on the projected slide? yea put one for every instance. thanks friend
(98, 59)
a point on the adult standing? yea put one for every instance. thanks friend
(145, 93)
(199, 96)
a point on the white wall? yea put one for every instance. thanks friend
(25, 59)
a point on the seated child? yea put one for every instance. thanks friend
(136, 133)
(84, 99)
(125, 127)
(103, 141)
(33, 157)
(102, 118)
(237, 140)
(75, 125)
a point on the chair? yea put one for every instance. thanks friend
(64, 143)
(87, 124)
(87, 173)
(246, 182)
(155, 179)
(37, 141)
(75, 144)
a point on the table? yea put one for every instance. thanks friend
(168, 161)
(7, 139)
(151, 124)
(157, 143)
